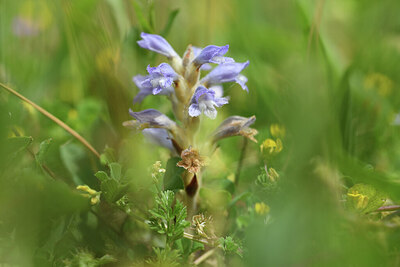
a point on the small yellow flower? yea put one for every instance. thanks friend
(277, 130)
(90, 193)
(95, 200)
(268, 144)
(271, 146)
(362, 200)
(261, 208)
(86, 189)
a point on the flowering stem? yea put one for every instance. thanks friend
(53, 118)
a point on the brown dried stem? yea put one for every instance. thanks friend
(53, 118)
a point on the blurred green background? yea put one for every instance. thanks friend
(326, 70)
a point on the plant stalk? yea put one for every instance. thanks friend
(53, 118)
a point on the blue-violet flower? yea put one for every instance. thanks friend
(213, 54)
(160, 78)
(204, 101)
(228, 72)
(152, 118)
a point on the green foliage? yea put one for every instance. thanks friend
(171, 18)
(165, 257)
(108, 156)
(168, 218)
(187, 247)
(229, 245)
(313, 68)
(112, 186)
(87, 259)
(43, 148)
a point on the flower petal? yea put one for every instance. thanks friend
(152, 118)
(211, 54)
(194, 110)
(242, 80)
(204, 100)
(157, 44)
(160, 79)
(224, 73)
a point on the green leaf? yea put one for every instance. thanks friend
(173, 175)
(167, 218)
(71, 155)
(111, 190)
(142, 20)
(170, 21)
(43, 148)
(229, 245)
(187, 247)
(364, 198)
(115, 171)
(121, 17)
(102, 176)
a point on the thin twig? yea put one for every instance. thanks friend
(53, 118)
(204, 256)
(193, 238)
(240, 164)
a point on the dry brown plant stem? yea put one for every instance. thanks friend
(53, 118)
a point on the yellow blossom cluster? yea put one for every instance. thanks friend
(90, 193)
(261, 208)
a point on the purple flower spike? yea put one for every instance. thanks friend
(213, 54)
(228, 72)
(204, 101)
(157, 44)
(152, 118)
(160, 78)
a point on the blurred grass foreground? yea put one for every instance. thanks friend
(321, 187)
